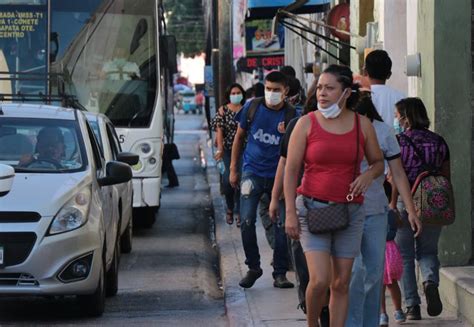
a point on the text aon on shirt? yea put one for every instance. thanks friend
(266, 137)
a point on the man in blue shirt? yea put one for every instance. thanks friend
(263, 130)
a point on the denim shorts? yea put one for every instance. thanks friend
(341, 244)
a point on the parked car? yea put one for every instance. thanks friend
(123, 193)
(58, 228)
(189, 101)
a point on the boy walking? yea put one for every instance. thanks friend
(262, 123)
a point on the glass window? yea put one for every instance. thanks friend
(23, 46)
(110, 55)
(114, 143)
(41, 145)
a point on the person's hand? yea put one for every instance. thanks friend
(218, 155)
(361, 184)
(25, 160)
(292, 225)
(234, 179)
(273, 210)
(415, 224)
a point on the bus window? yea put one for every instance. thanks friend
(23, 46)
(110, 56)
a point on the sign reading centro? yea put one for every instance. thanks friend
(14, 24)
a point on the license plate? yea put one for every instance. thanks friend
(1, 255)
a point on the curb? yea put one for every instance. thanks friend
(235, 300)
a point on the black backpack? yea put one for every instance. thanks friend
(289, 114)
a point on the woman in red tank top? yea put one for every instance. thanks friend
(326, 143)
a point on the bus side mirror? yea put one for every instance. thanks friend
(168, 47)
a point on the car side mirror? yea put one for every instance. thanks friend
(116, 173)
(128, 158)
(7, 173)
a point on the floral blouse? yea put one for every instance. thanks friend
(228, 124)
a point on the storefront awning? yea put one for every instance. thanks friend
(267, 9)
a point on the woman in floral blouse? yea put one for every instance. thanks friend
(225, 126)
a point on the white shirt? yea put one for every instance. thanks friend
(384, 98)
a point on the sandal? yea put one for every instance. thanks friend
(237, 220)
(229, 217)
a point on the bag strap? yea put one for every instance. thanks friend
(357, 118)
(252, 110)
(290, 112)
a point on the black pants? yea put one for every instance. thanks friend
(168, 168)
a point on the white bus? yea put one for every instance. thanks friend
(115, 59)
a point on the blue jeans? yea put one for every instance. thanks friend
(425, 250)
(232, 196)
(367, 274)
(251, 190)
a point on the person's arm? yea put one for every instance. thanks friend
(239, 140)
(294, 160)
(400, 180)
(374, 158)
(277, 189)
(220, 143)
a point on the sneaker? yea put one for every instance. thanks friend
(383, 321)
(281, 281)
(250, 278)
(399, 316)
(433, 302)
(324, 317)
(413, 313)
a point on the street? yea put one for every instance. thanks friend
(171, 276)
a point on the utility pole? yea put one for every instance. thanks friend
(225, 48)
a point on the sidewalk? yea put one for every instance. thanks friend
(264, 305)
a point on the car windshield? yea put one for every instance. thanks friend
(41, 145)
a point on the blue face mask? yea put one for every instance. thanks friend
(236, 98)
(397, 127)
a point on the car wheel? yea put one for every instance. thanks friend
(94, 304)
(126, 238)
(111, 279)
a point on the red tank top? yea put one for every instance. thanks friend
(329, 163)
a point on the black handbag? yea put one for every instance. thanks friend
(335, 216)
(170, 151)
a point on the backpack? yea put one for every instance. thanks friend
(432, 194)
(289, 114)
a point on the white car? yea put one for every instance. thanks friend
(123, 193)
(58, 228)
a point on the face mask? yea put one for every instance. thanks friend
(273, 98)
(236, 98)
(333, 111)
(397, 127)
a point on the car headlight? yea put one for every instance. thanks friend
(73, 214)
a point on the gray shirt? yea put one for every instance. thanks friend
(375, 200)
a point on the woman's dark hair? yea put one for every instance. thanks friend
(311, 103)
(414, 111)
(229, 89)
(343, 75)
(365, 107)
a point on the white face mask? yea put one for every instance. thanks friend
(273, 98)
(333, 111)
(236, 98)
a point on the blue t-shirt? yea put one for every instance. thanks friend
(262, 152)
